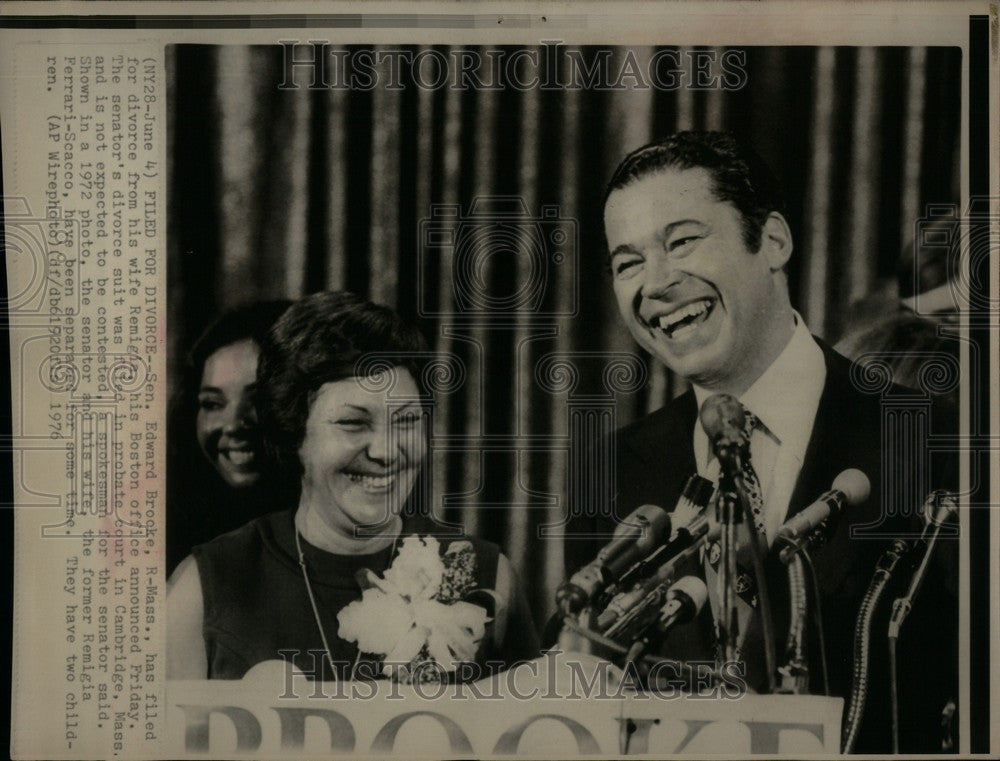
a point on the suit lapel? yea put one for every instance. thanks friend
(656, 456)
(668, 434)
(828, 447)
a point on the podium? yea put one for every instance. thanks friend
(558, 706)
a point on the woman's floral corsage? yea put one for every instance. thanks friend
(414, 617)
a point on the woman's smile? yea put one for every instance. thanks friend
(373, 482)
(226, 424)
(362, 452)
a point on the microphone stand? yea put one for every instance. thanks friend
(730, 508)
(945, 505)
(728, 514)
(571, 637)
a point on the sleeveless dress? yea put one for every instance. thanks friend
(256, 603)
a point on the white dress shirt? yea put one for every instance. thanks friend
(785, 399)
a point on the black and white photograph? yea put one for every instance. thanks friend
(543, 381)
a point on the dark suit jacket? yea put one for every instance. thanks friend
(654, 457)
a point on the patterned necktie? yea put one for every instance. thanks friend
(748, 644)
(746, 587)
(751, 484)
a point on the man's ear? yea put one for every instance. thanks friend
(776, 241)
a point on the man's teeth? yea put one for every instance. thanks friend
(668, 322)
(371, 482)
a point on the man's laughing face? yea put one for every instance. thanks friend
(687, 286)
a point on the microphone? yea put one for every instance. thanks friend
(723, 417)
(939, 508)
(692, 503)
(633, 539)
(685, 521)
(851, 487)
(680, 548)
(685, 599)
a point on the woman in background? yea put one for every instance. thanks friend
(343, 573)
(216, 477)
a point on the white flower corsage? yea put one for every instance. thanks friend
(414, 616)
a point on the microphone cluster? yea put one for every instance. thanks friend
(629, 597)
(631, 585)
(635, 538)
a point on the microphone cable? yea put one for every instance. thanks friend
(794, 670)
(894, 694)
(818, 607)
(862, 643)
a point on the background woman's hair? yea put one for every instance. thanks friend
(251, 321)
(910, 346)
(200, 505)
(325, 337)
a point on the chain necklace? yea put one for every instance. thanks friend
(315, 607)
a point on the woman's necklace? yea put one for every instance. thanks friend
(315, 607)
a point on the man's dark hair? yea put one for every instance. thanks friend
(322, 338)
(739, 175)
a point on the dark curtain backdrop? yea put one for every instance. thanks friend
(277, 193)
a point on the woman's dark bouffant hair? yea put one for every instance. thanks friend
(322, 338)
(250, 321)
(200, 505)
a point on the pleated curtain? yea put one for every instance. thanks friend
(278, 193)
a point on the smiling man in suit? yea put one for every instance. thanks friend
(698, 246)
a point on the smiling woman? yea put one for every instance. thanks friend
(216, 466)
(353, 572)
(360, 455)
(226, 422)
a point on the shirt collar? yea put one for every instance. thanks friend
(786, 396)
